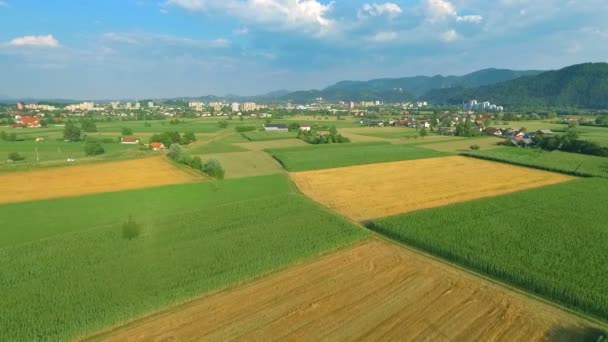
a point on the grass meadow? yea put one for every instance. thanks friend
(67, 270)
(316, 157)
(550, 241)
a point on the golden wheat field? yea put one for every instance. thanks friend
(90, 179)
(372, 292)
(380, 190)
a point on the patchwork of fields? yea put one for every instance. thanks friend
(379, 190)
(375, 291)
(89, 277)
(551, 241)
(90, 179)
(253, 258)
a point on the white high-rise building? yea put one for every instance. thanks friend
(150, 104)
(248, 107)
(137, 105)
(235, 107)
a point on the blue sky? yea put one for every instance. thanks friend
(104, 49)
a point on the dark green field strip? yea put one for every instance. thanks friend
(557, 161)
(549, 241)
(71, 285)
(24, 222)
(340, 155)
(269, 136)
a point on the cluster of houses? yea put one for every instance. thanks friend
(517, 137)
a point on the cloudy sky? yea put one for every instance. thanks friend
(103, 49)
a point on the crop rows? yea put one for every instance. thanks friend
(550, 241)
(89, 277)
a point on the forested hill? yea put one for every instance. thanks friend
(403, 89)
(582, 86)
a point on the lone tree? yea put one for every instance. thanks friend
(93, 149)
(71, 132)
(89, 126)
(423, 133)
(214, 169)
(14, 156)
(130, 229)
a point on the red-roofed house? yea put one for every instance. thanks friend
(157, 146)
(31, 122)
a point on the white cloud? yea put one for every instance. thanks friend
(146, 38)
(308, 16)
(473, 19)
(383, 37)
(36, 41)
(438, 10)
(375, 10)
(450, 36)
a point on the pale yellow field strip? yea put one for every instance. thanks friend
(246, 164)
(91, 179)
(374, 292)
(380, 190)
(465, 145)
(262, 145)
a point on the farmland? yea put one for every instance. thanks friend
(246, 164)
(265, 136)
(571, 163)
(89, 179)
(84, 276)
(379, 190)
(383, 292)
(333, 156)
(550, 241)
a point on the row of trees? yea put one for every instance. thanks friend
(570, 143)
(212, 167)
(315, 138)
(169, 138)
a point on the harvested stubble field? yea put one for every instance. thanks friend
(464, 144)
(379, 190)
(374, 291)
(90, 179)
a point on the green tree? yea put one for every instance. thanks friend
(71, 132)
(223, 124)
(89, 126)
(175, 152)
(126, 131)
(130, 229)
(93, 149)
(196, 163)
(423, 133)
(188, 138)
(214, 169)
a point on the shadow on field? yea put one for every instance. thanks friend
(578, 334)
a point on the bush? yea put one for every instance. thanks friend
(242, 129)
(196, 163)
(175, 152)
(14, 156)
(214, 169)
(93, 149)
(89, 126)
(130, 229)
(126, 131)
(474, 147)
(223, 124)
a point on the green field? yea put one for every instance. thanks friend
(266, 136)
(55, 153)
(394, 133)
(220, 145)
(67, 271)
(550, 241)
(598, 135)
(339, 155)
(185, 125)
(571, 163)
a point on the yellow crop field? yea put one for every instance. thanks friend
(380, 190)
(374, 291)
(90, 179)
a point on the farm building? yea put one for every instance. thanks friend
(129, 141)
(276, 128)
(305, 128)
(27, 122)
(545, 132)
(157, 146)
